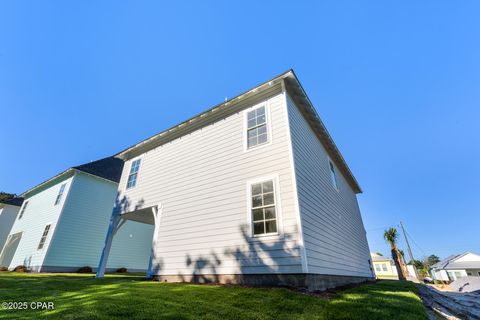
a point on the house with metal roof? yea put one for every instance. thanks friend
(61, 223)
(8, 213)
(252, 191)
(456, 266)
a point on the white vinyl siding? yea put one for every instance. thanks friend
(200, 179)
(333, 231)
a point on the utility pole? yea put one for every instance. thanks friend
(409, 251)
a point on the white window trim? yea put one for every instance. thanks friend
(50, 230)
(278, 207)
(265, 103)
(138, 172)
(337, 187)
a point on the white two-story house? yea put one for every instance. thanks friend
(61, 224)
(253, 191)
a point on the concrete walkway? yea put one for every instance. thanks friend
(450, 305)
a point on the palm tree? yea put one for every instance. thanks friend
(391, 236)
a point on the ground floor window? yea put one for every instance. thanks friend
(263, 208)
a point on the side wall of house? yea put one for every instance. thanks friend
(40, 211)
(333, 232)
(201, 181)
(8, 214)
(83, 224)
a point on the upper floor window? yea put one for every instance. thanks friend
(23, 210)
(264, 215)
(132, 177)
(44, 237)
(333, 175)
(60, 194)
(257, 133)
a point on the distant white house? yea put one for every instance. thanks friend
(61, 224)
(456, 266)
(252, 191)
(8, 213)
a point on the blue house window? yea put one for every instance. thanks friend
(60, 194)
(333, 175)
(23, 210)
(132, 177)
(44, 237)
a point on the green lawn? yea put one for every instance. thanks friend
(78, 296)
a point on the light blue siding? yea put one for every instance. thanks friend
(81, 230)
(41, 210)
(333, 231)
(8, 214)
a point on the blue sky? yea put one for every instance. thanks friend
(398, 87)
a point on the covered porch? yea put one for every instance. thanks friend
(147, 215)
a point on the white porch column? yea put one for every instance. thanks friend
(157, 213)
(115, 223)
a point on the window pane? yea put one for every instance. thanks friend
(252, 142)
(260, 111)
(252, 133)
(256, 189)
(270, 213)
(271, 226)
(262, 129)
(257, 214)
(261, 119)
(251, 115)
(256, 201)
(262, 138)
(258, 228)
(252, 123)
(268, 186)
(268, 199)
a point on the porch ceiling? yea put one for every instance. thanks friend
(143, 215)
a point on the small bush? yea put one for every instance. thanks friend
(20, 269)
(121, 270)
(85, 269)
(2, 268)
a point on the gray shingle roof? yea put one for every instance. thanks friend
(108, 168)
(17, 201)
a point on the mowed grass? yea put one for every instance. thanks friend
(78, 296)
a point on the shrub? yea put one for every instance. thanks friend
(2, 268)
(121, 270)
(20, 269)
(85, 269)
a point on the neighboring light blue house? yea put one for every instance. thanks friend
(8, 213)
(62, 222)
